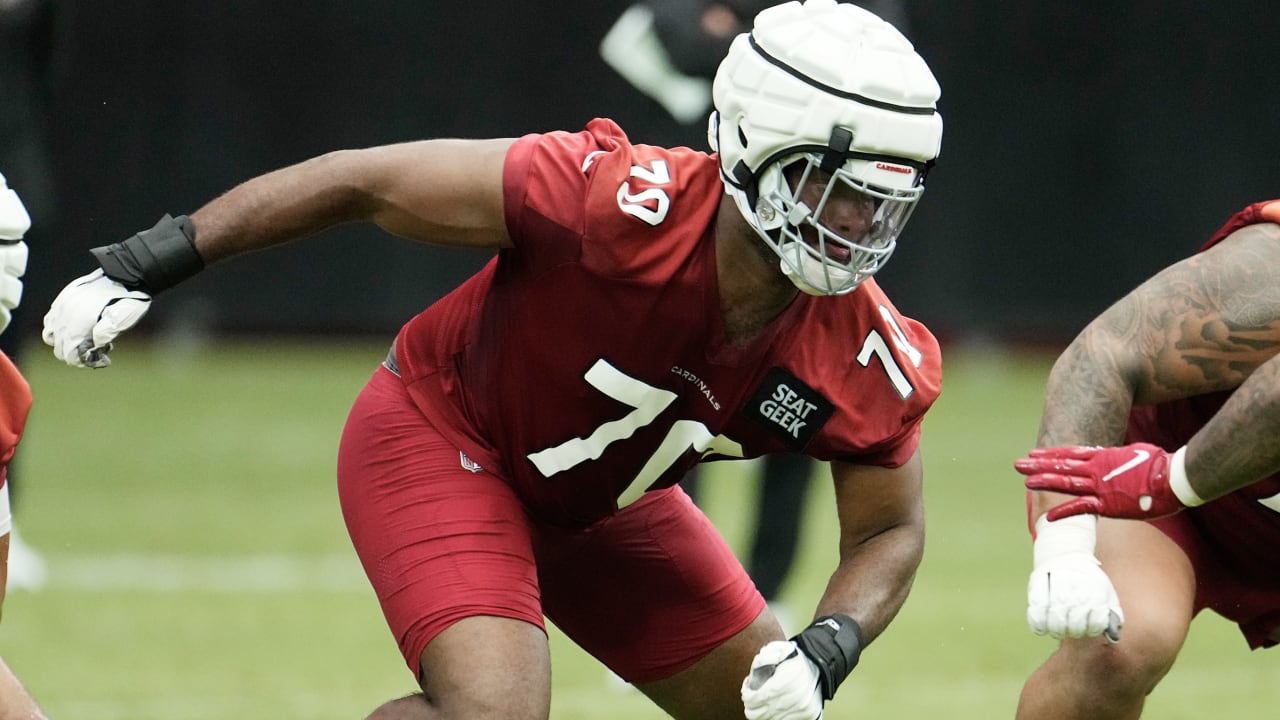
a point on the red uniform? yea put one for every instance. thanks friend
(15, 403)
(587, 365)
(1232, 541)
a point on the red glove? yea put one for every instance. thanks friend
(1131, 481)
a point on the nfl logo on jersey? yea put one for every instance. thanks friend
(468, 463)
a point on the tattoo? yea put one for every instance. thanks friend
(1242, 442)
(1201, 325)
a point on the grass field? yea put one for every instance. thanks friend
(199, 569)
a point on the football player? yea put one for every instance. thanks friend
(1184, 370)
(516, 455)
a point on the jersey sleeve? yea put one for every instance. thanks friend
(903, 361)
(546, 184)
(920, 356)
(1259, 212)
(622, 210)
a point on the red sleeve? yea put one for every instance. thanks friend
(1259, 212)
(914, 371)
(594, 198)
(546, 179)
(15, 403)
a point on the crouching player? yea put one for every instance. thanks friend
(1186, 516)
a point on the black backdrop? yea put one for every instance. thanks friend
(1086, 144)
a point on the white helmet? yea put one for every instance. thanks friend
(832, 86)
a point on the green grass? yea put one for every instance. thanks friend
(199, 567)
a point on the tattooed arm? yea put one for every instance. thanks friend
(1241, 444)
(1207, 323)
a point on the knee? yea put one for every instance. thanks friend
(412, 707)
(419, 707)
(1144, 654)
(1128, 669)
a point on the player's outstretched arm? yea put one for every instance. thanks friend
(441, 191)
(881, 545)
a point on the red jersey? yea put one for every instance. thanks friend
(588, 363)
(1244, 531)
(15, 403)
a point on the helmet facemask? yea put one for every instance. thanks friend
(800, 197)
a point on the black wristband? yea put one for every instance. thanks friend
(833, 643)
(155, 259)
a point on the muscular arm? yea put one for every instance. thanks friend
(1241, 444)
(881, 542)
(1204, 324)
(440, 191)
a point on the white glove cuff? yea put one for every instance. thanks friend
(1178, 482)
(1068, 536)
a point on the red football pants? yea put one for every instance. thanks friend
(648, 591)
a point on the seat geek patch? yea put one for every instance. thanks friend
(790, 409)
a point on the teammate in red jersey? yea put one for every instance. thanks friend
(15, 403)
(517, 453)
(1185, 370)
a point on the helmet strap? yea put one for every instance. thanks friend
(837, 149)
(745, 180)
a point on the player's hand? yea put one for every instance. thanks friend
(783, 685)
(1122, 482)
(1068, 594)
(88, 315)
(14, 223)
(13, 263)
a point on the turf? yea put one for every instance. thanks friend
(185, 502)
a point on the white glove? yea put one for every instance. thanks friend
(1069, 595)
(783, 685)
(14, 223)
(88, 315)
(13, 263)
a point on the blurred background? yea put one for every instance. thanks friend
(183, 500)
(1086, 144)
